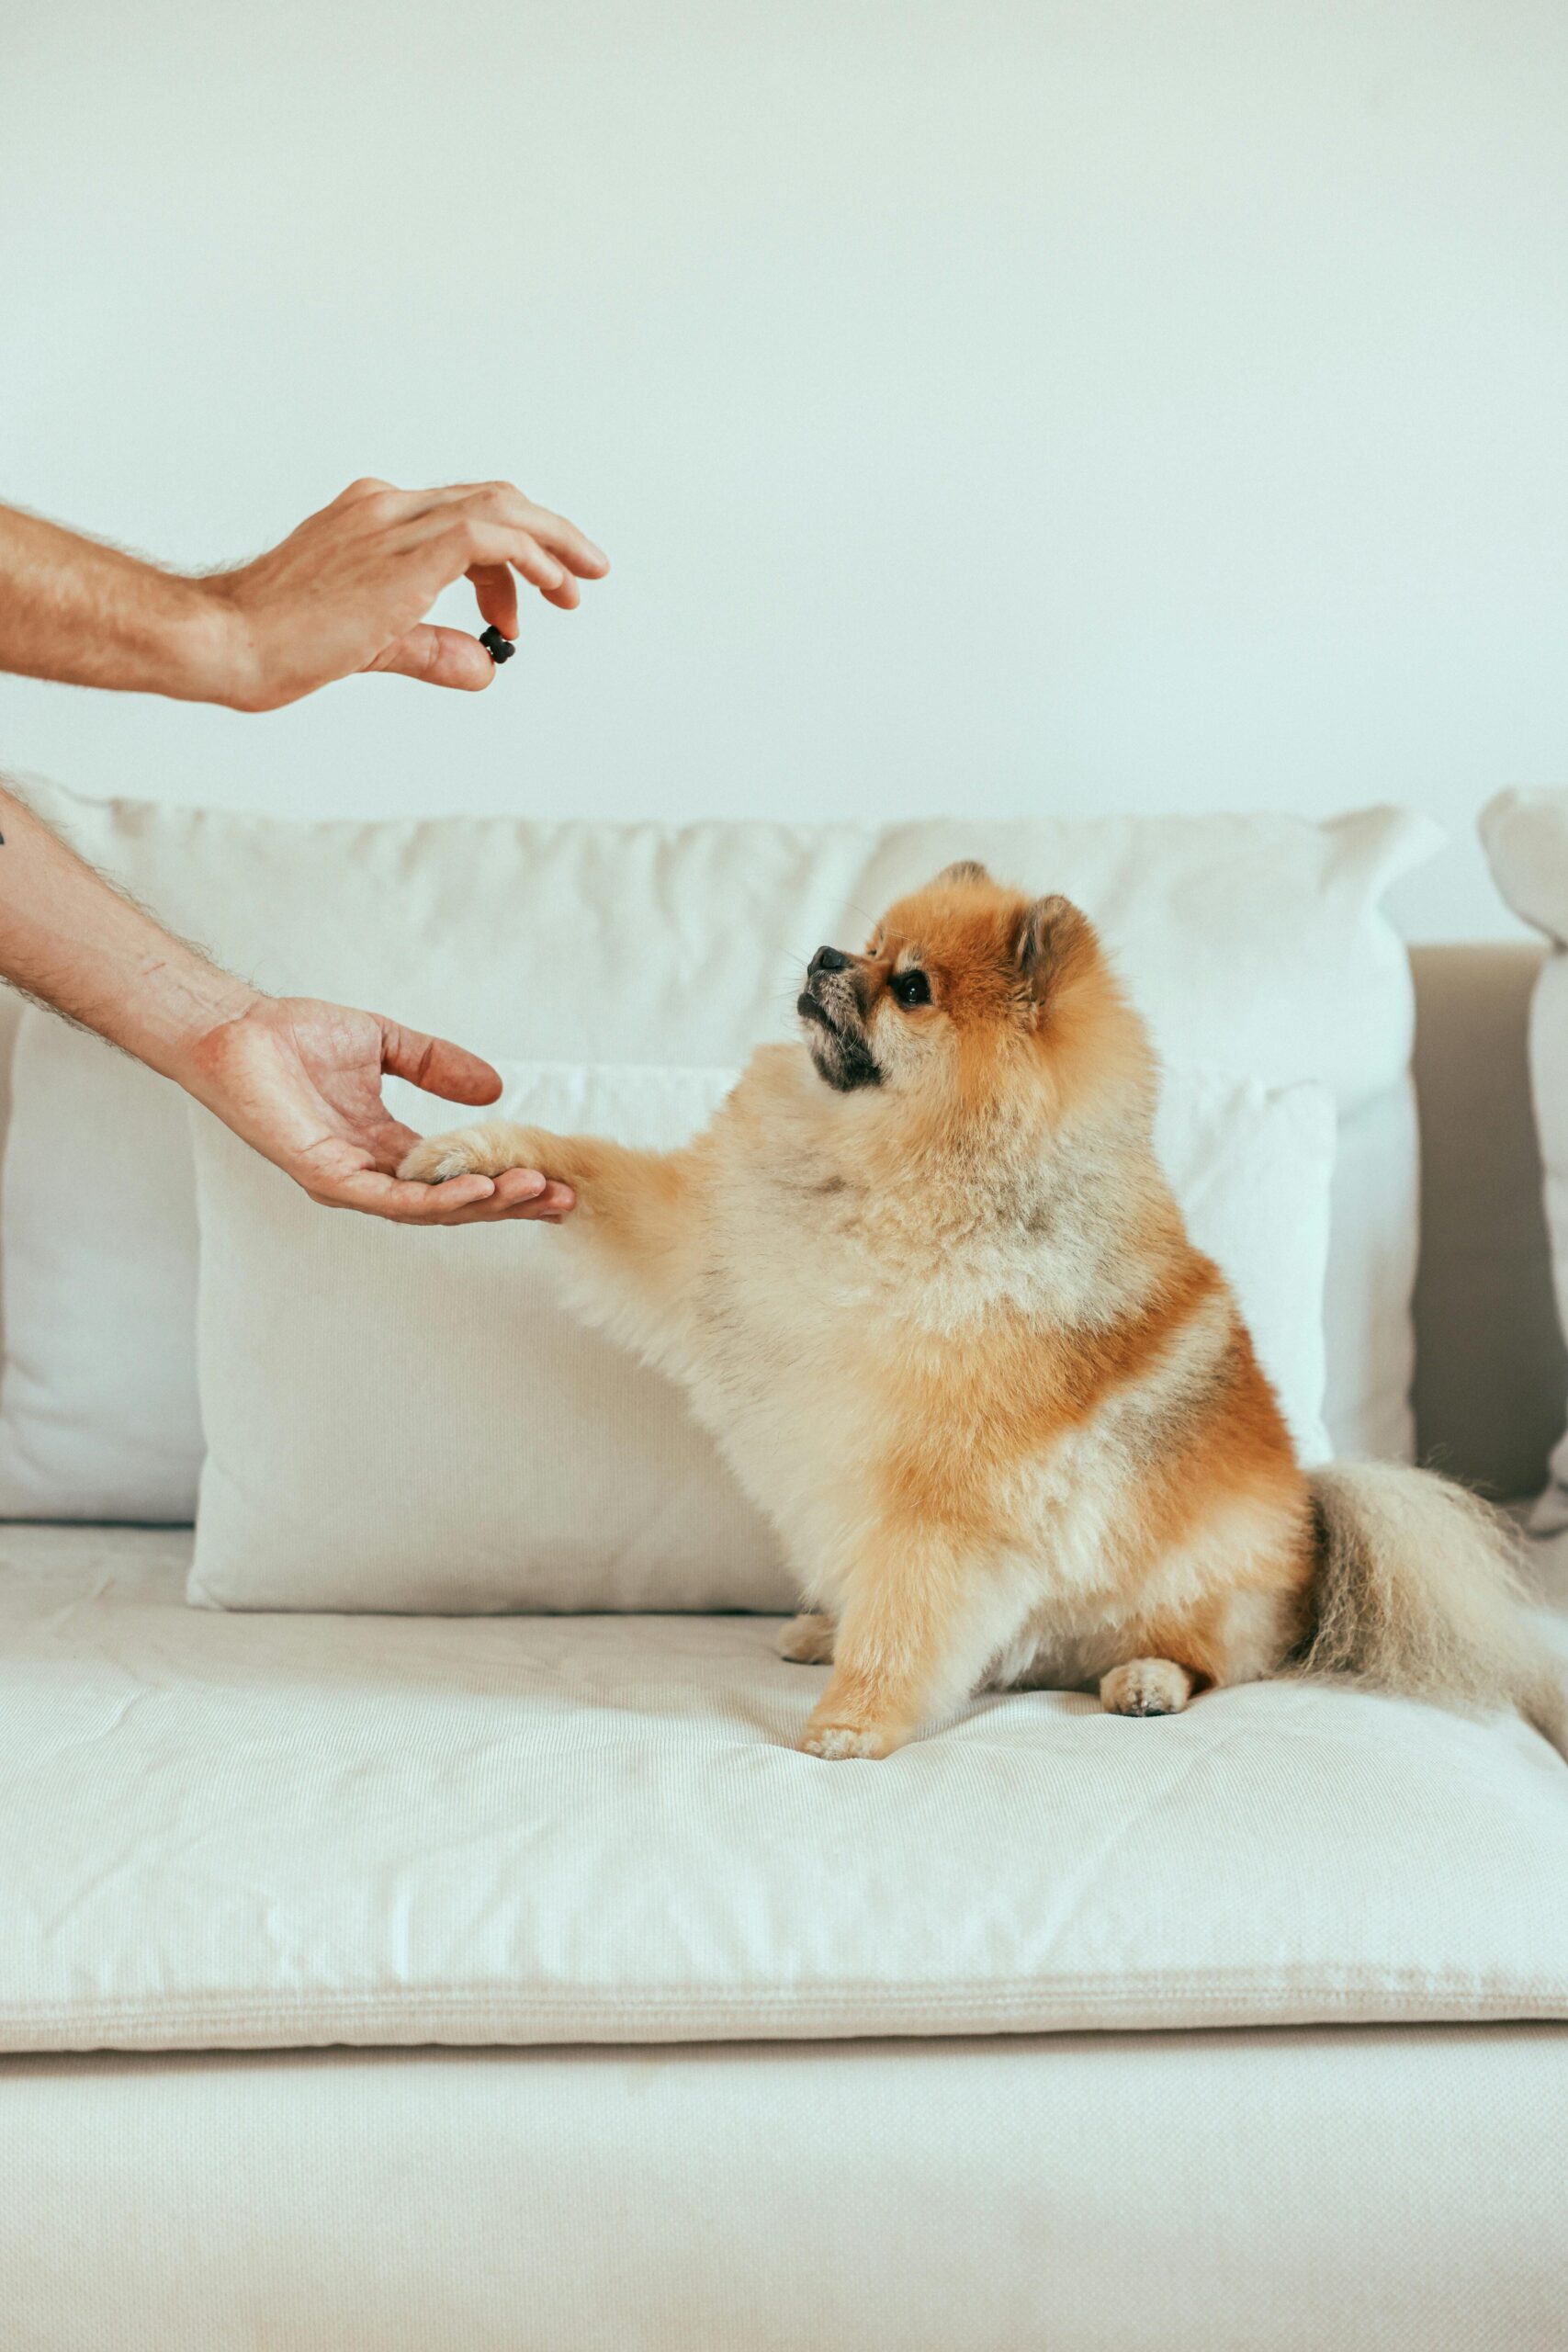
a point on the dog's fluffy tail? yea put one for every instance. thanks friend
(1418, 1590)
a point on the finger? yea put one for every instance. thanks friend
(437, 1066)
(495, 590)
(552, 1204)
(517, 1187)
(567, 597)
(519, 1191)
(521, 1213)
(492, 507)
(446, 543)
(502, 502)
(526, 556)
(437, 657)
(575, 549)
(407, 1203)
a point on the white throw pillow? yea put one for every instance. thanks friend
(1525, 835)
(414, 1422)
(1252, 943)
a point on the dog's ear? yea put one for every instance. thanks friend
(1056, 940)
(963, 869)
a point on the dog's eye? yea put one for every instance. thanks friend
(912, 988)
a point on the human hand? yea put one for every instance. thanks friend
(301, 1081)
(350, 588)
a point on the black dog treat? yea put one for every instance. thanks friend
(500, 649)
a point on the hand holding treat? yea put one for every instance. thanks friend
(347, 590)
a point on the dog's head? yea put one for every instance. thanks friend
(968, 993)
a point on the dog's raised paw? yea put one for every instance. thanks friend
(436, 1159)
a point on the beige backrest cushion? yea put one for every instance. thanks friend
(1254, 942)
(1491, 1375)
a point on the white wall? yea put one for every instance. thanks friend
(1085, 404)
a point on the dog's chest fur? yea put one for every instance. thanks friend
(851, 1340)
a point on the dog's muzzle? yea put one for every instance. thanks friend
(829, 1005)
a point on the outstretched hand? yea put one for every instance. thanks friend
(350, 588)
(300, 1081)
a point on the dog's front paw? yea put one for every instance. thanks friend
(837, 1741)
(461, 1153)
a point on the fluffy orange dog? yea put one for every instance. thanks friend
(926, 1283)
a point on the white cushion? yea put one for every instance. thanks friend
(1252, 943)
(282, 1830)
(414, 1422)
(99, 1416)
(1525, 835)
(427, 1426)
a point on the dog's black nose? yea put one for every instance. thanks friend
(826, 959)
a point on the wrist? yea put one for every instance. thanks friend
(211, 645)
(189, 1013)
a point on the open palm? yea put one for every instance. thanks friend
(300, 1081)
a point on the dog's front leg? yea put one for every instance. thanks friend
(633, 1236)
(917, 1627)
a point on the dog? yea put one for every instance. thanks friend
(927, 1286)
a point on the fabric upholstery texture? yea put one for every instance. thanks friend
(230, 1832)
(1393, 2189)
(1253, 943)
(396, 1424)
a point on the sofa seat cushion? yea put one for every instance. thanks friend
(248, 1831)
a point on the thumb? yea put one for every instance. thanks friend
(439, 1066)
(438, 657)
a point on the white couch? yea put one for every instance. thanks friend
(863, 2175)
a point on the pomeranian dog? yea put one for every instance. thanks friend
(928, 1287)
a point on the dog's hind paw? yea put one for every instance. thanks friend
(807, 1640)
(1146, 1686)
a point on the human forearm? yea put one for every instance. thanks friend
(70, 940)
(86, 614)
